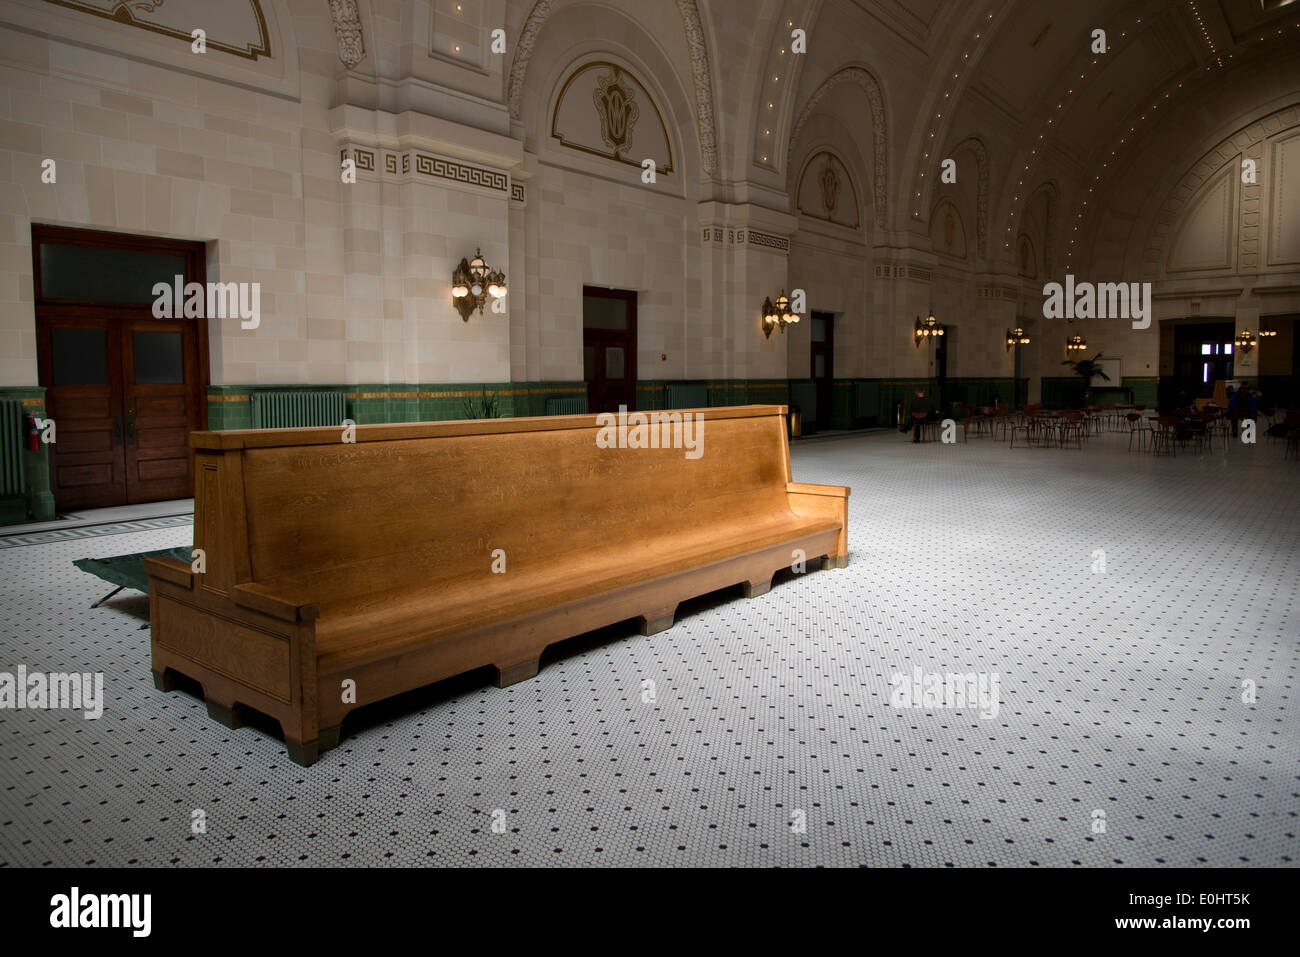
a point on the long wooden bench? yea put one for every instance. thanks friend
(336, 574)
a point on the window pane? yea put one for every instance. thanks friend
(613, 362)
(1205, 348)
(600, 313)
(1227, 349)
(818, 330)
(95, 274)
(588, 363)
(158, 358)
(819, 362)
(80, 356)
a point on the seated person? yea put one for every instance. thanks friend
(921, 409)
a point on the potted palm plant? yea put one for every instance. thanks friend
(1085, 369)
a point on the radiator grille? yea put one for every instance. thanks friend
(566, 404)
(12, 434)
(295, 410)
(686, 395)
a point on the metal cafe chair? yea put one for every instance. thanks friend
(1073, 428)
(1164, 436)
(1137, 427)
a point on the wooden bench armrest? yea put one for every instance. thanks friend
(276, 601)
(833, 491)
(169, 570)
(823, 501)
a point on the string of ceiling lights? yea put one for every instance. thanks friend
(1014, 213)
(929, 141)
(1219, 63)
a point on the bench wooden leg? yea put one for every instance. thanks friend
(230, 716)
(164, 680)
(302, 752)
(328, 738)
(658, 621)
(752, 589)
(834, 561)
(513, 674)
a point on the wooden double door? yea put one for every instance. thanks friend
(124, 396)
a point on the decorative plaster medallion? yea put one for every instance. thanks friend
(617, 110)
(347, 30)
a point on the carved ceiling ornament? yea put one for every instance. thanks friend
(702, 75)
(701, 71)
(830, 184)
(347, 31)
(880, 140)
(617, 109)
(603, 109)
(826, 191)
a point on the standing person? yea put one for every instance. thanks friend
(1242, 405)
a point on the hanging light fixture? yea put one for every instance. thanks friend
(473, 282)
(1076, 344)
(1245, 341)
(1266, 331)
(777, 314)
(927, 328)
(1016, 337)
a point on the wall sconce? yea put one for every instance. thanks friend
(472, 283)
(777, 314)
(1266, 331)
(1245, 342)
(1076, 344)
(927, 328)
(1016, 337)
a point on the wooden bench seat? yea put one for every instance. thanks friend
(372, 563)
(365, 626)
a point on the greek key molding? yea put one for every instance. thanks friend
(382, 163)
(439, 168)
(744, 236)
(902, 271)
(766, 239)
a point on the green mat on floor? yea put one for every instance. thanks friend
(127, 571)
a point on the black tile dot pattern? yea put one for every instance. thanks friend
(760, 732)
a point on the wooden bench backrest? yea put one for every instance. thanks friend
(434, 496)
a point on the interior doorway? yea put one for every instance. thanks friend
(609, 348)
(123, 388)
(823, 366)
(1204, 353)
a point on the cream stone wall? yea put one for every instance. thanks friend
(455, 153)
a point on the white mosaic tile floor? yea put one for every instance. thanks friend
(1121, 692)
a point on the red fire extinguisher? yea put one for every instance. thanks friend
(33, 434)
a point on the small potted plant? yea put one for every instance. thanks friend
(1085, 369)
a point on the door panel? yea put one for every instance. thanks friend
(81, 360)
(823, 366)
(609, 348)
(159, 399)
(124, 388)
